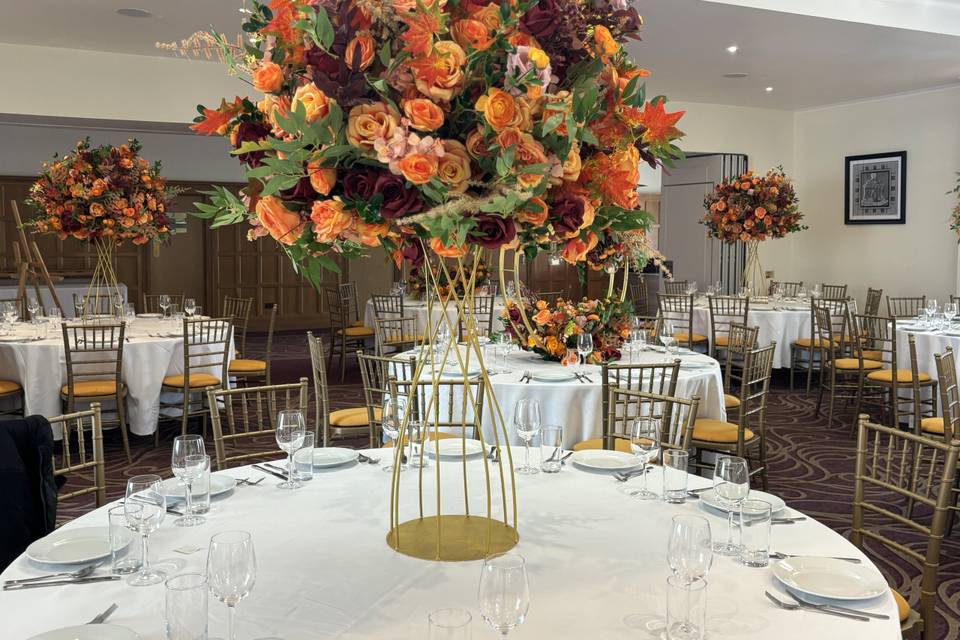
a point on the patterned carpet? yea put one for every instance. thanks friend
(811, 466)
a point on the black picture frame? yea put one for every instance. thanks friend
(875, 188)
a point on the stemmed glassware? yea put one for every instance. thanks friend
(144, 507)
(33, 306)
(187, 462)
(231, 571)
(504, 592)
(692, 288)
(291, 430)
(731, 484)
(667, 338)
(645, 445)
(10, 312)
(949, 312)
(584, 348)
(390, 422)
(690, 556)
(526, 419)
(164, 302)
(189, 307)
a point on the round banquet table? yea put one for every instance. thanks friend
(596, 560)
(928, 343)
(151, 352)
(418, 309)
(790, 321)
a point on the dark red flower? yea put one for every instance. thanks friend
(413, 253)
(398, 200)
(566, 214)
(541, 20)
(360, 183)
(492, 231)
(251, 132)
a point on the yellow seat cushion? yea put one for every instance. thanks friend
(440, 435)
(730, 402)
(357, 332)
(807, 342)
(352, 417)
(9, 386)
(848, 364)
(91, 388)
(241, 365)
(722, 341)
(709, 430)
(903, 607)
(403, 339)
(932, 425)
(597, 443)
(903, 375)
(872, 354)
(196, 380)
(683, 337)
(356, 323)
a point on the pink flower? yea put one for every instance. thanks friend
(402, 143)
(520, 63)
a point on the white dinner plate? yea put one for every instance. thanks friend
(156, 316)
(89, 632)
(16, 338)
(709, 499)
(695, 364)
(453, 447)
(73, 546)
(333, 456)
(830, 578)
(172, 488)
(552, 376)
(603, 460)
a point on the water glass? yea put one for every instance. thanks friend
(504, 592)
(124, 551)
(755, 520)
(303, 458)
(185, 607)
(449, 624)
(551, 448)
(200, 495)
(686, 609)
(33, 306)
(189, 307)
(675, 463)
(731, 485)
(40, 330)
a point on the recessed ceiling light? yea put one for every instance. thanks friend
(732, 49)
(736, 75)
(134, 13)
(768, 89)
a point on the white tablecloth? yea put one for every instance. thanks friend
(783, 325)
(40, 368)
(418, 309)
(596, 560)
(65, 291)
(928, 344)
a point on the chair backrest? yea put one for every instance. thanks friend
(742, 339)
(895, 467)
(787, 289)
(444, 404)
(348, 297)
(250, 414)
(677, 416)
(98, 302)
(271, 324)
(85, 465)
(206, 345)
(238, 310)
(675, 287)
(376, 373)
(92, 352)
(659, 379)
(754, 388)
(480, 314)
(151, 301)
(387, 306)
(831, 327)
(724, 312)
(833, 291)
(321, 399)
(396, 332)
(872, 305)
(905, 306)
(336, 307)
(676, 310)
(639, 295)
(949, 393)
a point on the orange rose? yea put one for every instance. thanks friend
(283, 225)
(268, 77)
(367, 234)
(444, 251)
(589, 214)
(322, 179)
(424, 114)
(447, 62)
(501, 110)
(542, 317)
(537, 217)
(370, 122)
(273, 106)
(96, 209)
(315, 102)
(529, 152)
(576, 250)
(141, 239)
(454, 167)
(603, 41)
(760, 212)
(126, 223)
(477, 146)
(489, 16)
(471, 34)
(572, 165)
(329, 220)
(418, 168)
(359, 54)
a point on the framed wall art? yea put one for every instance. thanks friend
(875, 188)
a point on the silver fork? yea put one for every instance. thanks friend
(623, 477)
(82, 572)
(789, 606)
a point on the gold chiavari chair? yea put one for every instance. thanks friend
(481, 314)
(94, 362)
(805, 352)
(677, 311)
(787, 289)
(639, 295)
(387, 306)
(954, 299)
(833, 291)
(247, 370)
(344, 337)
(238, 311)
(872, 305)
(250, 414)
(724, 312)
(742, 340)
(895, 466)
(206, 347)
(843, 370)
(84, 465)
(444, 404)
(676, 415)
(659, 379)
(948, 425)
(675, 287)
(905, 306)
(746, 437)
(350, 300)
(376, 373)
(397, 334)
(151, 301)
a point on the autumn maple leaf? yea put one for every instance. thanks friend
(659, 124)
(422, 26)
(214, 121)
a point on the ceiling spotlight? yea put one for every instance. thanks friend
(134, 13)
(732, 49)
(768, 89)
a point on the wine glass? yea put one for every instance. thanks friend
(390, 422)
(731, 485)
(526, 419)
(10, 312)
(584, 348)
(689, 555)
(164, 303)
(291, 430)
(667, 339)
(504, 592)
(189, 307)
(187, 462)
(144, 507)
(949, 312)
(692, 287)
(231, 571)
(33, 306)
(932, 307)
(645, 445)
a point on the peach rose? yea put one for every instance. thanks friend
(471, 34)
(322, 179)
(589, 214)
(536, 217)
(283, 225)
(489, 16)
(418, 168)
(273, 106)
(362, 43)
(368, 123)
(576, 250)
(424, 114)
(454, 167)
(542, 317)
(499, 109)
(572, 165)
(529, 152)
(268, 77)
(368, 234)
(315, 102)
(477, 146)
(329, 220)
(444, 251)
(96, 209)
(449, 79)
(603, 41)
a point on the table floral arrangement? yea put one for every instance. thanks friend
(955, 216)
(557, 326)
(417, 280)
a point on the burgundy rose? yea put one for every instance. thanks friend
(301, 191)
(398, 200)
(321, 61)
(566, 214)
(413, 253)
(540, 21)
(492, 232)
(251, 132)
(359, 184)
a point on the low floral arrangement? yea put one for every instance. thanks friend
(753, 208)
(955, 216)
(417, 282)
(102, 195)
(555, 327)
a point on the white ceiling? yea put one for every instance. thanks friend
(810, 61)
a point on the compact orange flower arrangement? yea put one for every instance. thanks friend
(431, 128)
(753, 208)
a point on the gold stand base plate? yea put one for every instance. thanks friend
(462, 538)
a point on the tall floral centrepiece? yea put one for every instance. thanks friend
(435, 129)
(556, 327)
(752, 208)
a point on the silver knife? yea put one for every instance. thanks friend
(54, 583)
(101, 618)
(269, 471)
(275, 467)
